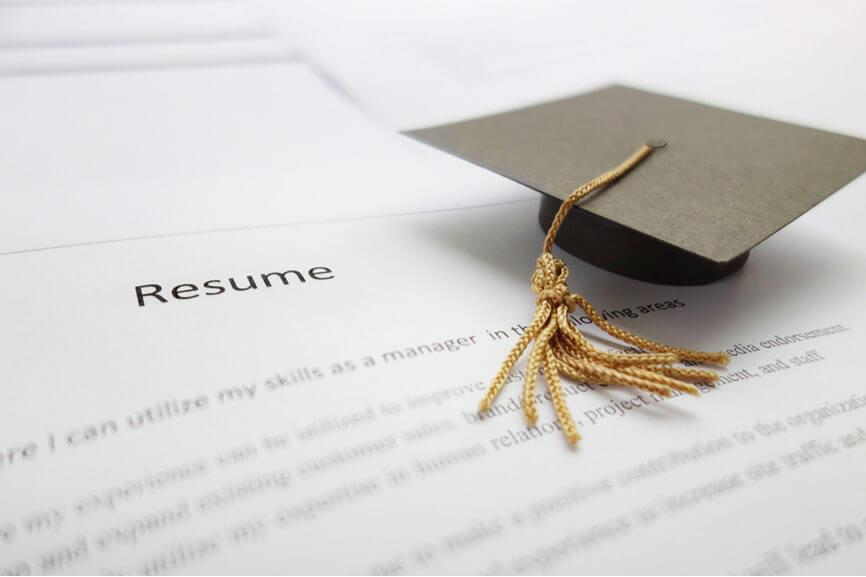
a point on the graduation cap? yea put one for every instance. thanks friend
(725, 181)
(690, 214)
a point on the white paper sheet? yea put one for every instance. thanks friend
(101, 156)
(53, 60)
(328, 425)
(26, 26)
(66, 37)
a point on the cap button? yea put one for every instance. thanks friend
(656, 143)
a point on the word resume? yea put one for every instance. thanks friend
(303, 398)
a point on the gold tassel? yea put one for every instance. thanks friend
(560, 348)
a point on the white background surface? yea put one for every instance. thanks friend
(417, 63)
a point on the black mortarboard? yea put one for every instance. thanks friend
(689, 215)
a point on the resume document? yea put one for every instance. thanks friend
(192, 389)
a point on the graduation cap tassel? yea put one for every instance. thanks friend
(560, 349)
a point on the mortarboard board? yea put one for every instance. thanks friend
(690, 215)
(725, 181)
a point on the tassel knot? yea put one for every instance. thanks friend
(550, 282)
